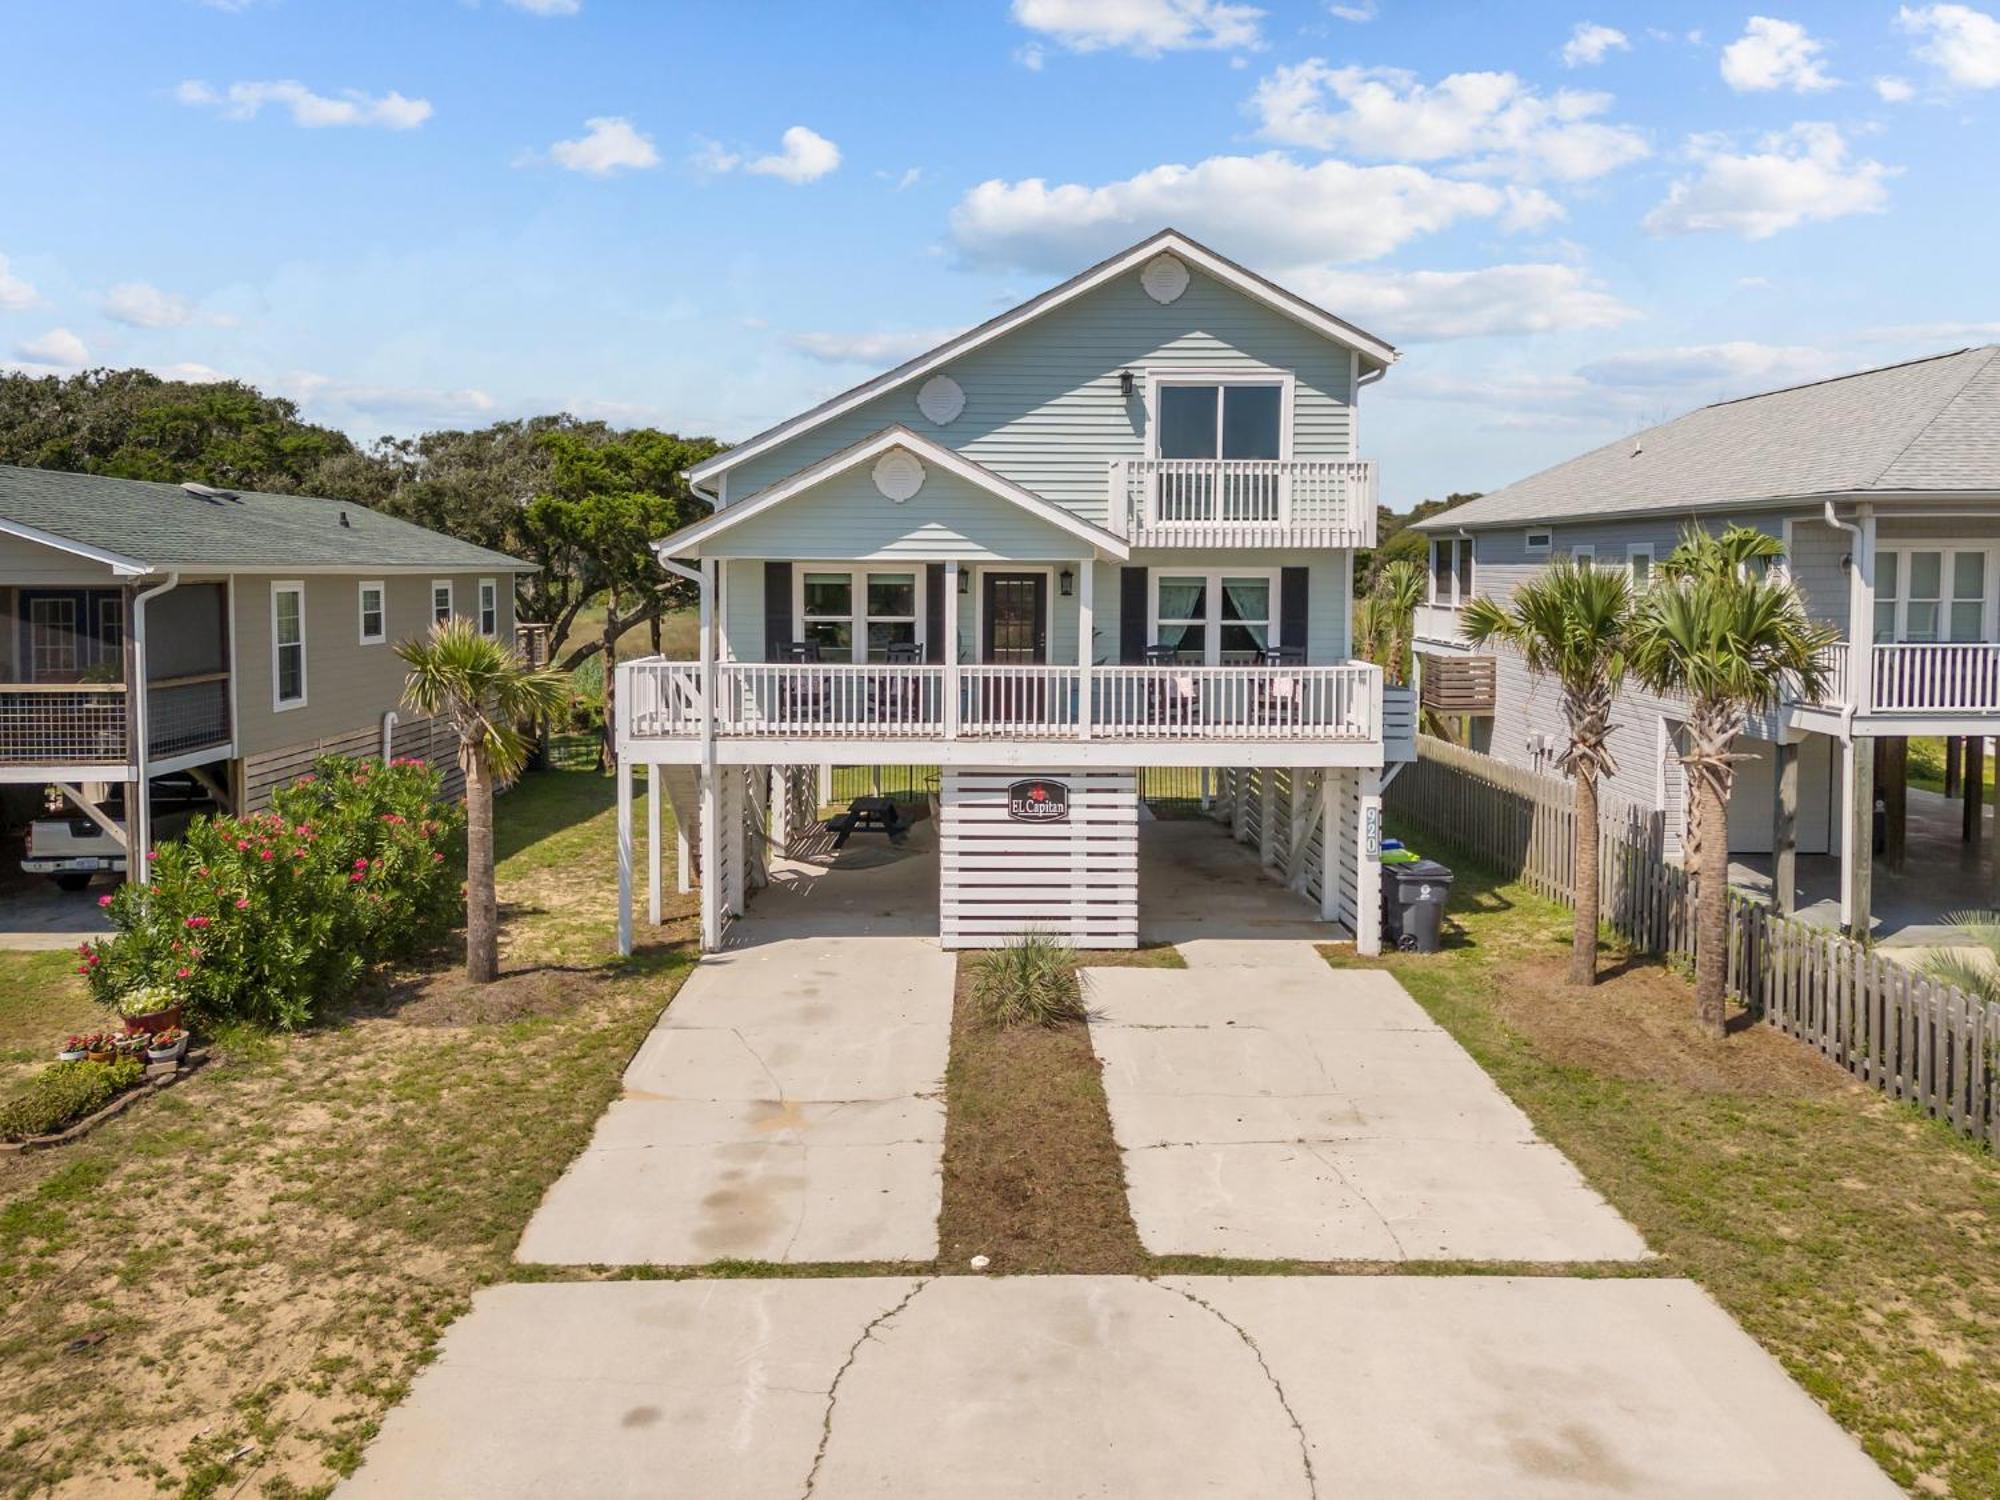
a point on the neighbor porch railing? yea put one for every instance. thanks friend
(1909, 677)
(1164, 502)
(89, 724)
(663, 699)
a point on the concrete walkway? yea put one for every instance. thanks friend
(788, 1106)
(1270, 1107)
(1451, 1388)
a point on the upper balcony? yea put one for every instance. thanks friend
(1232, 502)
(55, 728)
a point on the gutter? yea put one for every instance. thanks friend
(1853, 529)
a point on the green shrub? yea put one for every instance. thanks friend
(63, 1093)
(266, 918)
(1030, 981)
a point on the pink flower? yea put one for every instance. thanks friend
(103, 900)
(152, 854)
(182, 973)
(361, 864)
(242, 844)
(242, 903)
(357, 877)
(437, 859)
(307, 780)
(264, 854)
(198, 921)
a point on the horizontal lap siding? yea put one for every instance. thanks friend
(1043, 407)
(1078, 880)
(430, 740)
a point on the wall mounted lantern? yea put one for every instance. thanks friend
(1068, 582)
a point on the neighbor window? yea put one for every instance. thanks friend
(857, 614)
(1218, 618)
(1451, 572)
(489, 607)
(1584, 556)
(1639, 563)
(52, 640)
(110, 627)
(440, 600)
(288, 645)
(1930, 594)
(374, 614)
(1536, 542)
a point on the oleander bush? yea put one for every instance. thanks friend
(1030, 981)
(266, 918)
(63, 1093)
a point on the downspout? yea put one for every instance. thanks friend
(139, 817)
(389, 722)
(1853, 697)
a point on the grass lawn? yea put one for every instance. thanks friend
(1857, 1242)
(677, 634)
(222, 1291)
(1927, 766)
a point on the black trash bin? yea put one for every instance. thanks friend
(1413, 897)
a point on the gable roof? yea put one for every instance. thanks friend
(1924, 427)
(690, 538)
(136, 526)
(1259, 288)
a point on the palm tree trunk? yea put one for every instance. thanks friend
(482, 914)
(1583, 859)
(607, 754)
(1711, 912)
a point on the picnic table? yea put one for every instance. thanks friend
(868, 815)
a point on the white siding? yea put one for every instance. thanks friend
(1078, 879)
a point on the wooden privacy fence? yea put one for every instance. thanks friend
(1929, 1044)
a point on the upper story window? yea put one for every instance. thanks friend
(288, 645)
(489, 606)
(374, 614)
(1451, 571)
(1930, 594)
(1215, 418)
(440, 600)
(1537, 543)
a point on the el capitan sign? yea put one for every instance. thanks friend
(1038, 800)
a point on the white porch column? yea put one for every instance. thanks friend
(624, 775)
(948, 649)
(711, 873)
(1368, 866)
(655, 795)
(683, 860)
(1861, 618)
(1086, 650)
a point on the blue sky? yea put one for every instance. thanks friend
(1574, 219)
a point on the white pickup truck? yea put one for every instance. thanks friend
(69, 846)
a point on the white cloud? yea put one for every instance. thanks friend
(1735, 366)
(609, 144)
(1490, 123)
(1415, 306)
(384, 402)
(193, 373)
(143, 306)
(1960, 42)
(243, 101)
(882, 348)
(1365, 11)
(803, 156)
(1933, 333)
(1796, 176)
(15, 293)
(548, 7)
(1030, 56)
(1892, 90)
(58, 348)
(1775, 55)
(1589, 42)
(1145, 28)
(1331, 211)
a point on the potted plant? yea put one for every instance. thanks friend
(149, 1008)
(100, 1046)
(75, 1049)
(132, 1043)
(169, 1044)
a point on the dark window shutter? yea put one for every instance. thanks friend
(1294, 586)
(934, 643)
(777, 609)
(1132, 616)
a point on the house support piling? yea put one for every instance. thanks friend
(1785, 831)
(1857, 849)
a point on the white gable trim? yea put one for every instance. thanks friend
(124, 566)
(688, 539)
(1269, 293)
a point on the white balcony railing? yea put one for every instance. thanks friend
(1905, 677)
(1166, 502)
(663, 700)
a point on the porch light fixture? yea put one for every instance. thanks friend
(965, 580)
(1128, 381)
(1068, 581)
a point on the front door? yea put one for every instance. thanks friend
(1014, 613)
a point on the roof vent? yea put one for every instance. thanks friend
(1638, 446)
(206, 492)
(344, 521)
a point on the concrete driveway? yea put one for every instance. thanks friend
(1442, 1387)
(1270, 1107)
(787, 1106)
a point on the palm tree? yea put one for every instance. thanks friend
(1569, 623)
(484, 690)
(1978, 977)
(1724, 631)
(1399, 589)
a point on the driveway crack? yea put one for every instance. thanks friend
(759, 1060)
(1373, 1207)
(1277, 1386)
(833, 1390)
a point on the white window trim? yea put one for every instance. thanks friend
(1211, 636)
(1583, 552)
(1947, 558)
(1286, 382)
(978, 611)
(1634, 552)
(361, 611)
(1461, 578)
(1537, 549)
(450, 606)
(278, 587)
(489, 586)
(858, 617)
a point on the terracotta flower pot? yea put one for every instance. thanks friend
(154, 1020)
(100, 1057)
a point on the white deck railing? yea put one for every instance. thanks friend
(1165, 502)
(663, 700)
(1914, 678)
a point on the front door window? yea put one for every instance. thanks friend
(1015, 609)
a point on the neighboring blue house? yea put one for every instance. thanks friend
(1110, 529)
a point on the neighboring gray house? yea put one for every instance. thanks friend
(1885, 489)
(263, 627)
